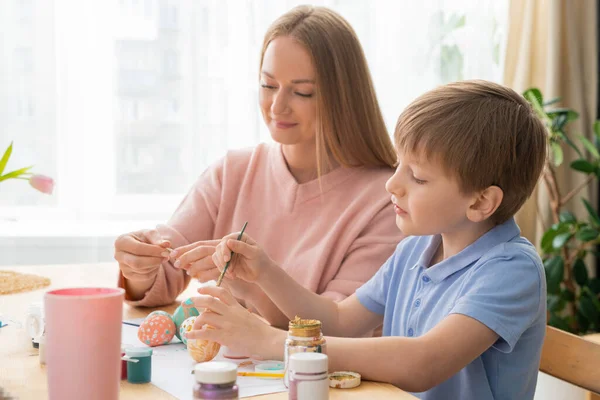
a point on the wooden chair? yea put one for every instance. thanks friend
(573, 359)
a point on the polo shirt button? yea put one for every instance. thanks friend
(426, 278)
(411, 332)
(417, 302)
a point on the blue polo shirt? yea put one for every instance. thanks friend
(498, 280)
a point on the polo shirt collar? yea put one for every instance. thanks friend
(495, 236)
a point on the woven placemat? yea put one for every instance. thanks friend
(15, 282)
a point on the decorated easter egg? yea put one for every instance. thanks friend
(202, 350)
(159, 312)
(183, 312)
(185, 327)
(156, 330)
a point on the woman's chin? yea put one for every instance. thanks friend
(285, 138)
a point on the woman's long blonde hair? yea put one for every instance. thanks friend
(350, 126)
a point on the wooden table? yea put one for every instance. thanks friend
(22, 377)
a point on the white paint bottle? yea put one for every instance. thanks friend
(308, 376)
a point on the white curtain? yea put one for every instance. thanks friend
(125, 102)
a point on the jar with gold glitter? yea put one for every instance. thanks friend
(304, 336)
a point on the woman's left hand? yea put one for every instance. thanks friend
(234, 326)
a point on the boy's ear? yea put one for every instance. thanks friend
(485, 204)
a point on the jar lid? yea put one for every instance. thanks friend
(138, 352)
(344, 379)
(216, 372)
(309, 363)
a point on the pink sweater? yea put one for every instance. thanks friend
(331, 237)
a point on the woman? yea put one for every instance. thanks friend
(316, 199)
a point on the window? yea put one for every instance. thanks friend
(126, 119)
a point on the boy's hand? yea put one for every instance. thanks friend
(234, 326)
(249, 261)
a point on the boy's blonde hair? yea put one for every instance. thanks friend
(483, 133)
(350, 126)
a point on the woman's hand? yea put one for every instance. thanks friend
(196, 260)
(234, 326)
(249, 261)
(140, 254)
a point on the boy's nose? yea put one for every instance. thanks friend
(394, 186)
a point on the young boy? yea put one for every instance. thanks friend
(463, 300)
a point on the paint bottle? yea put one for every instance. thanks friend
(42, 348)
(308, 377)
(123, 364)
(304, 336)
(216, 380)
(35, 322)
(139, 364)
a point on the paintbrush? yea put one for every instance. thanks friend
(231, 258)
(261, 374)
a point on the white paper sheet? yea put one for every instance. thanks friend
(172, 368)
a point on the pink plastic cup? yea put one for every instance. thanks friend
(83, 343)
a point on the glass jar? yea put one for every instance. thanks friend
(304, 336)
(216, 380)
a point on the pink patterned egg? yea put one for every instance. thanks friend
(156, 330)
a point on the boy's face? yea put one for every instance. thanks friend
(426, 200)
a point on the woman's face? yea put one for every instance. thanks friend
(287, 93)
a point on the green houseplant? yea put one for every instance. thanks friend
(573, 303)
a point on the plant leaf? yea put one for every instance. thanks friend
(550, 234)
(557, 154)
(588, 292)
(561, 239)
(552, 101)
(566, 138)
(558, 121)
(582, 322)
(15, 174)
(594, 285)
(567, 216)
(559, 323)
(597, 128)
(547, 239)
(556, 303)
(590, 147)
(567, 295)
(554, 273)
(588, 309)
(534, 96)
(570, 114)
(580, 272)
(593, 214)
(5, 157)
(583, 166)
(587, 234)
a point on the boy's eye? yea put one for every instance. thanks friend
(419, 181)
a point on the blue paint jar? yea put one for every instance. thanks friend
(139, 364)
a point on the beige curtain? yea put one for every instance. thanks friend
(552, 45)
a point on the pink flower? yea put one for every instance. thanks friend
(42, 183)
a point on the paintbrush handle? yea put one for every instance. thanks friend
(261, 374)
(220, 280)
